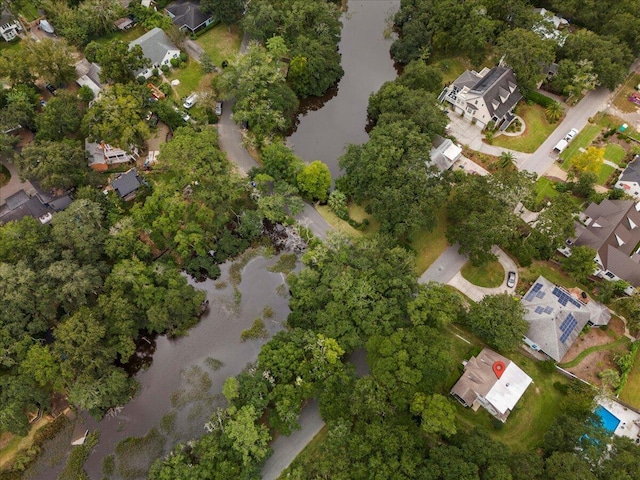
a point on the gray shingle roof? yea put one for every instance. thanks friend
(187, 13)
(632, 172)
(126, 183)
(614, 232)
(556, 317)
(155, 44)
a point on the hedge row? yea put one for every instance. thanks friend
(539, 98)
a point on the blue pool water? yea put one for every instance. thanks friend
(609, 420)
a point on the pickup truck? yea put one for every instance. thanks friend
(562, 144)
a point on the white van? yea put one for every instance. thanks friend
(190, 101)
(560, 146)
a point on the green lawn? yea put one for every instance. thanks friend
(549, 271)
(126, 35)
(28, 10)
(429, 245)
(308, 455)
(631, 392)
(221, 42)
(604, 173)
(614, 153)
(489, 275)
(189, 78)
(582, 140)
(337, 223)
(536, 132)
(451, 68)
(545, 190)
(13, 45)
(534, 413)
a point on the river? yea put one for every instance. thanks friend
(323, 134)
(182, 386)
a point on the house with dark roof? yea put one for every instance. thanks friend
(612, 229)
(490, 95)
(188, 16)
(629, 179)
(556, 316)
(158, 48)
(39, 206)
(126, 184)
(444, 153)
(493, 382)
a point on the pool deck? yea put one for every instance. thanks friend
(629, 419)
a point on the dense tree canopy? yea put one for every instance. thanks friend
(117, 61)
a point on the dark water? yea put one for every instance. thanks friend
(182, 379)
(326, 129)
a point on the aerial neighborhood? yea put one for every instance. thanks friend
(319, 239)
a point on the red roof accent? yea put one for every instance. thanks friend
(498, 368)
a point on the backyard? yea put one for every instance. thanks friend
(631, 391)
(622, 99)
(221, 43)
(536, 132)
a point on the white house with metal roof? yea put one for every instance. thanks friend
(493, 382)
(158, 48)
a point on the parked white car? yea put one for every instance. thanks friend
(190, 101)
(572, 133)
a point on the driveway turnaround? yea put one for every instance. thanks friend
(446, 269)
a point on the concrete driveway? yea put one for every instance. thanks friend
(15, 184)
(446, 269)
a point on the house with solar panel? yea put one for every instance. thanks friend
(612, 229)
(557, 315)
(493, 382)
(485, 96)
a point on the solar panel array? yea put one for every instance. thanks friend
(548, 309)
(533, 292)
(567, 326)
(539, 309)
(564, 298)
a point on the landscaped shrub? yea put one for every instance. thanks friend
(155, 72)
(165, 68)
(539, 98)
(183, 57)
(174, 62)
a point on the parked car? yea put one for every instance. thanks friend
(572, 133)
(218, 108)
(511, 279)
(190, 101)
(50, 88)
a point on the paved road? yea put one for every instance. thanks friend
(230, 139)
(577, 117)
(309, 217)
(15, 184)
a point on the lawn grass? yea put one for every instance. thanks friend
(358, 213)
(533, 414)
(126, 35)
(551, 272)
(189, 77)
(631, 391)
(429, 245)
(9, 451)
(451, 68)
(597, 348)
(545, 190)
(489, 275)
(221, 42)
(622, 99)
(536, 132)
(15, 45)
(604, 173)
(337, 223)
(309, 454)
(582, 140)
(615, 153)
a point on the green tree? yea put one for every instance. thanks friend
(280, 162)
(568, 466)
(417, 75)
(584, 185)
(506, 161)
(80, 230)
(435, 306)
(498, 320)
(51, 60)
(590, 160)
(249, 437)
(524, 51)
(554, 112)
(556, 221)
(117, 117)
(437, 413)
(226, 11)
(389, 172)
(314, 181)
(119, 62)
(580, 264)
(60, 117)
(54, 164)
(481, 212)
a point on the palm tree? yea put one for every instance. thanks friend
(506, 161)
(554, 112)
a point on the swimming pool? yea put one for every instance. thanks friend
(609, 420)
